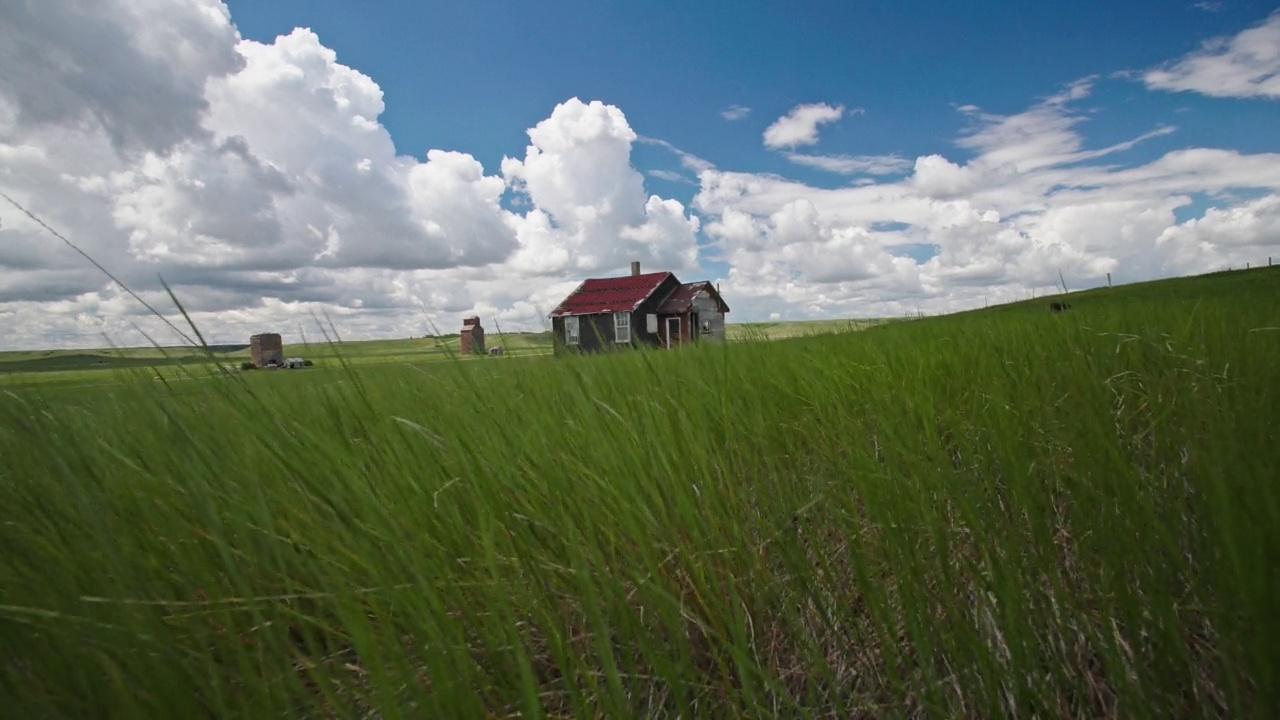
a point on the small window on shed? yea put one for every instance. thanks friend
(622, 327)
(571, 330)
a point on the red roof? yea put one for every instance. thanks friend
(615, 294)
(681, 298)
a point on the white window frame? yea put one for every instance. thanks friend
(679, 328)
(622, 327)
(571, 334)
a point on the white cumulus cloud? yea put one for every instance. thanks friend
(592, 213)
(800, 125)
(1034, 203)
(1237, 234)
(258, 181)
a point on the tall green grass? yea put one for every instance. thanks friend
(990, 515)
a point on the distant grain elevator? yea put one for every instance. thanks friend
(266, 349)
(471, 340)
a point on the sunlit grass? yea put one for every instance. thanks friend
(18, 367)
(1010, 513)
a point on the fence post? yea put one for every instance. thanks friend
(1108, 279)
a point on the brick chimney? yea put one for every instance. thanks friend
(635, 267)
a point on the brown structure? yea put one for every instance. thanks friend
(693, 310)
(266, 349)
(472, 336)
(654, 309)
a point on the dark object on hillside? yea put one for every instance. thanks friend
(495, 350)
(471, 339)
(1058, 306)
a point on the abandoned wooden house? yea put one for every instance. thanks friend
(653, 309)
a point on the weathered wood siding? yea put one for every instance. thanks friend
(708, 311)
(595, 333)
(639, 321)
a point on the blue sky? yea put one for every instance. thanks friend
(473, 76)
(397, 161)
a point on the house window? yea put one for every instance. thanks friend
(622, 327)
(571, 330)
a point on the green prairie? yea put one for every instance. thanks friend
(1001, 513)
(76, 365)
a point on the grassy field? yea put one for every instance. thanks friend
(992, 514)
(412, 350)
(93, 368)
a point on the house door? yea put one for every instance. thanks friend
(673, 331)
